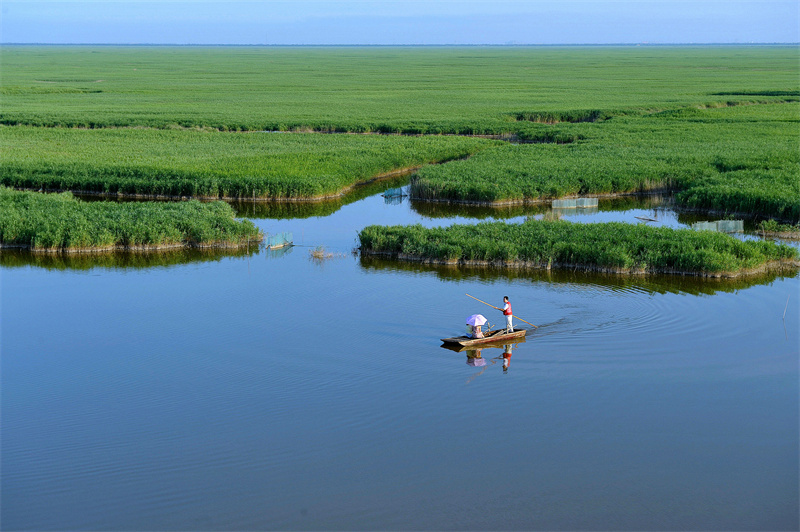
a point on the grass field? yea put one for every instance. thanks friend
(612, 246)
(416, 90)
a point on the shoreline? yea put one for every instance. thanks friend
(142, 248)
(255, 199)
(539, 201)
(530, 265)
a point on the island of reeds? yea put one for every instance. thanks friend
(605, 247)
(61, 223)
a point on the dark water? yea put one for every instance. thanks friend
(271, 390)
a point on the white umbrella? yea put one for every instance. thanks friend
(476, 319)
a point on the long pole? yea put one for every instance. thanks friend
(498, 308)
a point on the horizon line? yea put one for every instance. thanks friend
(505, 45)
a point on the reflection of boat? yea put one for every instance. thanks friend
(500, 335)
(493, 345)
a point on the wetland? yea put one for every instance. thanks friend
(305, 387)
(271, 390)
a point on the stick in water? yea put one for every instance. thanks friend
(787, 306)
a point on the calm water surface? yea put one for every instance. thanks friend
(270, 390)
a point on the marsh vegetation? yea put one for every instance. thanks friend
(609, 247)
(703, 123)
(60, 222)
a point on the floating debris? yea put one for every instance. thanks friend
(320, 253)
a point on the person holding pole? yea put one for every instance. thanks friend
(505, 300)
(508, 314)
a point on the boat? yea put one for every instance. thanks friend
(490, 337)
(515, 342)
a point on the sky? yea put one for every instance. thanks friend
(395, 22)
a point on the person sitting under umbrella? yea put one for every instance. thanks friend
(474, 322)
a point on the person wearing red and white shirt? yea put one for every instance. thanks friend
(508, 314)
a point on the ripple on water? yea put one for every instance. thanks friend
(597, 317)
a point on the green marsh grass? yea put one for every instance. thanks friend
(460, 90)
(211, 163)
(741, 159)
(612, 246)
(60, 222)
(719, 125)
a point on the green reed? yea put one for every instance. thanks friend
(45, 222)
(561, 244)
(210, 163)
(741, 159)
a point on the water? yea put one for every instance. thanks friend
(272, 390)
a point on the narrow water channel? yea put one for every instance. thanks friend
(274, 390)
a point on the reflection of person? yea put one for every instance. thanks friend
(506, 357)
(474, 358)
(508, 314)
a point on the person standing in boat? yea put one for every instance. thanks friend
(508, 314)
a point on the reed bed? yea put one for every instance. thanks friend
(732, 159)
(611, 247)
(60, 222)
(211, 164)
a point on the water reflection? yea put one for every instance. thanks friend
(652, 202)
(646, 283)
(284, 210)
(475, 358)
(506, 357)
(278, 253)
(468, 349)
(486, 356)
(119, 260)
(720, 226)
(478, 212)
(394, 196)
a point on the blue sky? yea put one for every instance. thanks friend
(391, 22)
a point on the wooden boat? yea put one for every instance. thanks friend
(492, 345)
(490, 337)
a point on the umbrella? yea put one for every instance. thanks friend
(476, 319)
